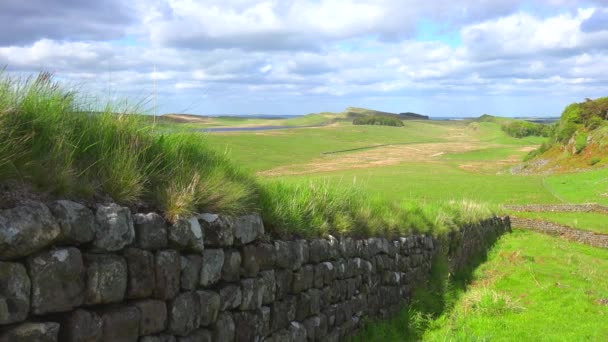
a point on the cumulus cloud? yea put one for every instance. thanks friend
(296, 56)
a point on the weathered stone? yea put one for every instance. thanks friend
(213, 262)
(303, 306)
(302, 279)
(303, 250)
(218, 230)
(329, 272)
(76, 221)
(120, 324)
(279, 336)
(282, 283)
(140, 266)
(246, 323)
(210, 306)
(297, 332)
(333, 248)
(167, 266)
(114, 228)
(283, 312)
(26, 229)
(319, 250)
(230, 297)
(106, 278)
(184, 313)
(158, 338)
(224, 328)
(150, 231)
(347, 247)
(252, 291)
(186, 235)
(14, 292)
(28, 332)
(311, 325)
(264, 315)
(268, 281)
(153, 316)
(284, 254)
(315, 301)
(247, 228)
(257, 257)
(299, 251)
(191, 271)
(81, 325)
(340, 266)
(232, 265)
(57, 280)
(198, 335)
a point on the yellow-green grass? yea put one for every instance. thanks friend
(533, 287)
(580, 187)
(594, 222)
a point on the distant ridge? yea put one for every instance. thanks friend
(355, 112)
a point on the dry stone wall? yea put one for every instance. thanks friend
(568, 233)
(72, 273)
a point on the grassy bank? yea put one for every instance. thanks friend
(533, 287)
(65, 147)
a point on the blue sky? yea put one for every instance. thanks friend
(442, 57)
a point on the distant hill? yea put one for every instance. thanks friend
(578, 140)
(355, 112)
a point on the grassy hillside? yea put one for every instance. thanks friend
(578, 141)
(58, 146)
(531, 288)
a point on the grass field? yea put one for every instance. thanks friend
(594, 222)
(580, 187)
(532, 288)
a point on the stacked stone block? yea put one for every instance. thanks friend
(71, 273)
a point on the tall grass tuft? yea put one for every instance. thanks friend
(68, 147)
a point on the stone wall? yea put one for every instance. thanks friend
(71, 273)
(550, 228)
(572, 208)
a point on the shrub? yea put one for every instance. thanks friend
(378, 120)
(564, 132)
(594, 161)
(594, 122)
(544, 147)
(580, 142)
(520, 129)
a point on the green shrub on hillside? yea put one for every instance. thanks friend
(594, 161)
(580, 142)
(378, 120)
(520, 129)
(564, 132)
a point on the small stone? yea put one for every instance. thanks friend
(57, 280)
(28, 332)
(218, 230)
(232, 265)
(230, 297)
(297, 332)
(184, 313)
(14, 293)
(334, 248)
(186, 235)
(106, 278)
(167, 274)
(264, 314)
(247, 326)
(26, 229)
(224, 328)
(284, 254)
(282, 283)
(283, 312)
(81, 325)
(150, 231)
(247, 228)
(140, 265)
(114, 228)
(256, 258)
(76, 221)
(153, 316)
(252, 292)
(210, 306)
(211, 271)
(198, 335)
(120, 323)
(191, 271)
(268, 281)
(319, 250)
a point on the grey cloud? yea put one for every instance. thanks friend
(23, 22)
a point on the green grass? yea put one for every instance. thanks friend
(594, 222)
(582, 187)
(533, 287)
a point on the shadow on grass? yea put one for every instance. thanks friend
(441, 293)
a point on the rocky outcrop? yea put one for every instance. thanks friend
(107, 275)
